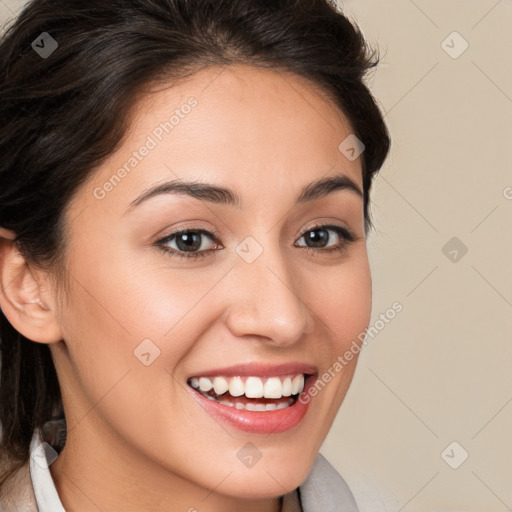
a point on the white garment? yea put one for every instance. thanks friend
(41, 455)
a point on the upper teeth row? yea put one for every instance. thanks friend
(253, 387)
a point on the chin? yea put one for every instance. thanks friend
(263, 486)
(270, 478)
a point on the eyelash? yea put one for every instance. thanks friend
(347, 236)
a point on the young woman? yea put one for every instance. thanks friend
(184, 204)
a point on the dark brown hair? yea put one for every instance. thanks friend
(62, 115)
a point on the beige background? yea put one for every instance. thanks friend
(440, 371)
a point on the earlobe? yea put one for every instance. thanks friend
(21, 295)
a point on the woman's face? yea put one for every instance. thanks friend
(273, 289)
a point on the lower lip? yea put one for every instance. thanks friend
(258, 422)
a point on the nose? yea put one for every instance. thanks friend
(265, 301)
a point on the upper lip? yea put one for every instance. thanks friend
(259, 370)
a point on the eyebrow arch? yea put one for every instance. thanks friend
(221, 195)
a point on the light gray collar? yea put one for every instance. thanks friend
(324, 490)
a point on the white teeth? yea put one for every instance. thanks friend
(220, 385)
(271, 407)
(282, 405)
(205, 384)
(253, 387)
(236, 386)
(297, 384)
(273, 388)
(287, 386)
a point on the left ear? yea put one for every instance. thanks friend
(25, 296)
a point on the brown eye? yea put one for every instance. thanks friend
(318, 237)
(189, 242)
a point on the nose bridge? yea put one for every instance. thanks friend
(267, 302)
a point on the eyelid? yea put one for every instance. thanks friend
(200, 228)
(350, 235)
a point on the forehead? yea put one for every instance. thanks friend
(258, 130)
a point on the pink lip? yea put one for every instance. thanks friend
(259, 370)
(256, 422)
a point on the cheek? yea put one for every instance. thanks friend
(114, 308)
(111, 323)
(343, 301)
(355, 303)
(130, 299)
(343, 305)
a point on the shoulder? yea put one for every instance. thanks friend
(372, 494)
(31, 486)
(17, 493)
(325, 490)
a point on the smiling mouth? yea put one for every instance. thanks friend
(251, 393)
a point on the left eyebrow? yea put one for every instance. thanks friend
(221, 195)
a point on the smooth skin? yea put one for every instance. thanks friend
(137, 439)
